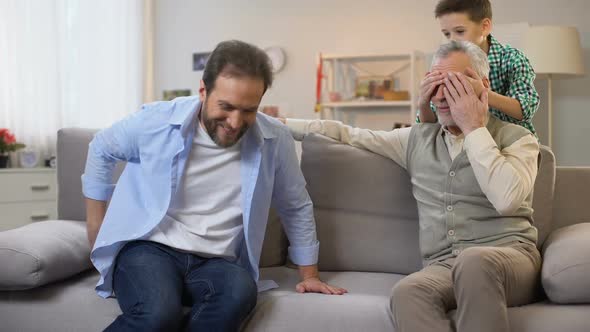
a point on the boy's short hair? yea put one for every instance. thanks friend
(477, 10)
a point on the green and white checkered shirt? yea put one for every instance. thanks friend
(512, 75)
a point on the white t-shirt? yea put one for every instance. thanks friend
(205, 215)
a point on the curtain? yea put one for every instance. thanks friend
(69, 63)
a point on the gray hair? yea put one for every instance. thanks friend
(479, 60)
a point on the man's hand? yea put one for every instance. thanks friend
(468, 111)
(315, 285)
(427, 88)
(283, 120)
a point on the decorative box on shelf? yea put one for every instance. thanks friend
(27, 195)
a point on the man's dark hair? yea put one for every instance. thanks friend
(237, 59)
(477, 10)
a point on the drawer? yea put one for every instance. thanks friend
(13, 215)
(29, 186)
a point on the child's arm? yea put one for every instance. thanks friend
(522, 88)
(521, 100)
(507, 105)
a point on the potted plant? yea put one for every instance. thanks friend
(8, 143)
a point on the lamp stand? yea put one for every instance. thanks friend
(549, 111)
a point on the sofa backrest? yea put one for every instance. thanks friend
(572, 196)
(72, 149)
(366, 214)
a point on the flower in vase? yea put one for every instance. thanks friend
(8, 142)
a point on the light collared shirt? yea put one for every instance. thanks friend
(506, 176)
(155, 142)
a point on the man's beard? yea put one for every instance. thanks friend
(211, 128)
(447, 121)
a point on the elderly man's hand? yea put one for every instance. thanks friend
(468, 111)
(427, 87)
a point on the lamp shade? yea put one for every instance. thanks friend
(554, 50)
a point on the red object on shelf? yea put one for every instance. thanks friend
(318, 88)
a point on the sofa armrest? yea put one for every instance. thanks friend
(566, 264)
(43, 252)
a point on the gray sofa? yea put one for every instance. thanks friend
(367, 225)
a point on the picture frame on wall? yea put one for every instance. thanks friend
(200, 60)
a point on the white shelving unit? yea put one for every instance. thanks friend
(368, 103)
(404, 69)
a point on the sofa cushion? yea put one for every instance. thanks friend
(66, 306)
(566, 265)
(546, 317)
(364, 308)
(366, 216)
(42, 252)
(72, 305)
(549, 317)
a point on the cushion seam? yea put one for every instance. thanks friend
(567, 268)
(37, 262)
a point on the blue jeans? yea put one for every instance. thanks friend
(153, 282)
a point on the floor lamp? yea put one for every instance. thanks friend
(555, 53)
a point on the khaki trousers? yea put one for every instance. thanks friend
(481, 282)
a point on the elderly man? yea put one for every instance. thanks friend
(472, 177)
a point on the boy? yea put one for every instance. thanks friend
(512, 95)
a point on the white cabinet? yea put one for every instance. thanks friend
(358, 85)
(27, 195)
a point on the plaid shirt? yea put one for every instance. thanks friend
(511, 75)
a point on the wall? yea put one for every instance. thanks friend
(571, 98)
(305, 27)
